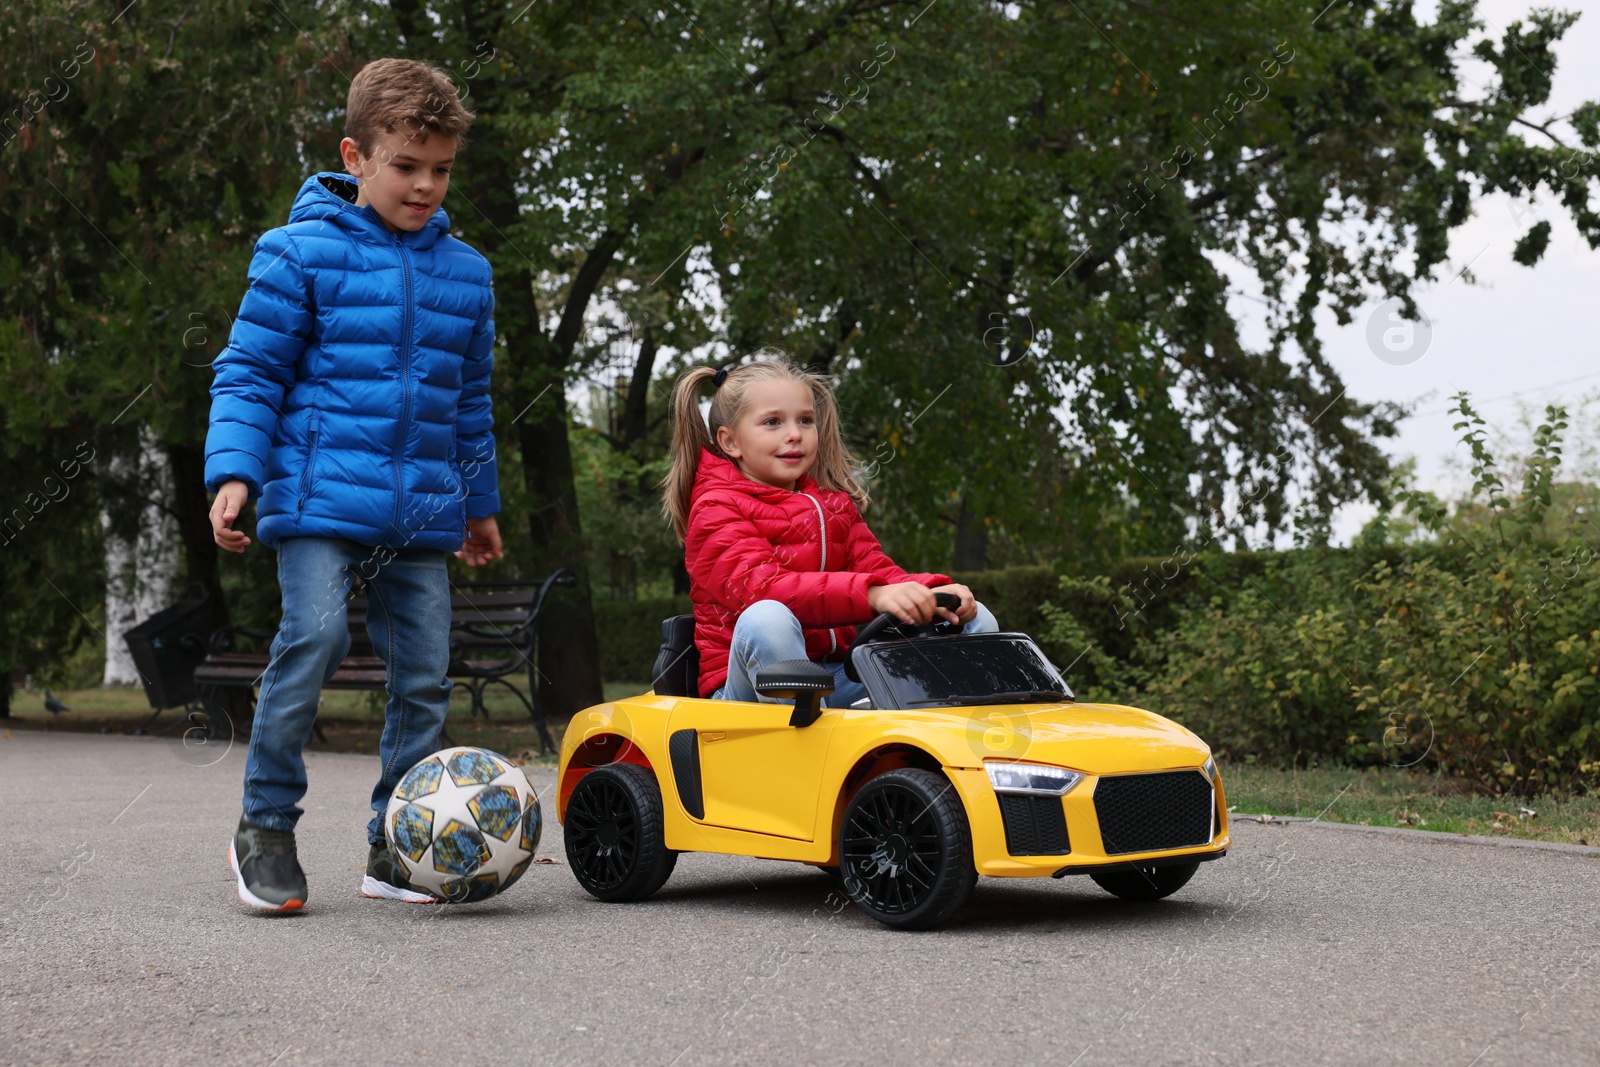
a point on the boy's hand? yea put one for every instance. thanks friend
(231, 499)
(910, 602)
(969, 605)
(482, 543)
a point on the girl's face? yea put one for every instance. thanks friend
(774, 441)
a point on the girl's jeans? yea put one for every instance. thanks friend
(767, 633)
(408, 618)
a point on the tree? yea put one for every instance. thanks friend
(1002, 201)
(165, 144)
(1017, 209)
(144, 152)
(1002, 228)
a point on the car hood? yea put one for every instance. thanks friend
(1094, 738)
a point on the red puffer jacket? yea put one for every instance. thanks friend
(748, 541)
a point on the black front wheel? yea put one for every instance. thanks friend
(1146, 883)
(905, 850)
(613, 832)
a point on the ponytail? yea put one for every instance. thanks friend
(689, 436)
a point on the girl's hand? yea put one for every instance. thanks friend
(910, 602)
(969, 605)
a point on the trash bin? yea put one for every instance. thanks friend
(166, 648)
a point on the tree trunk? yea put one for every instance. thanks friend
(141, 569)
(532, 376)
(972, 540)
(569, 651)
(635, 422)
(191, 508)
(530, 369)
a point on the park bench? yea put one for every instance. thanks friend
(494, 633)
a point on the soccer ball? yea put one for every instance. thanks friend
(463, 824)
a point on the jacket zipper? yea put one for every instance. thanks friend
(311, 460)
(405, 379)
(461, 480)
(822, 526)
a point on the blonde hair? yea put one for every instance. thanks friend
(388, 95)
(834, 467)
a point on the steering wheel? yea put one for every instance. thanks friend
(886, 625)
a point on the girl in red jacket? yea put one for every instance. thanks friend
(782, 566)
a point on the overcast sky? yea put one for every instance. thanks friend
(1517, 330)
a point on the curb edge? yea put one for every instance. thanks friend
(1437, 836)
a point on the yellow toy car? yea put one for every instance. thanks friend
(969, 756)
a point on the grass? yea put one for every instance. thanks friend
(1379, 796)
(1385, 796)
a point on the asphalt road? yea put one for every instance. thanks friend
(121, 941)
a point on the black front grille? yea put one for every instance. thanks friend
(1035, 826)
(1151, 812)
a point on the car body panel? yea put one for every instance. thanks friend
(777, 791)
(767, 774)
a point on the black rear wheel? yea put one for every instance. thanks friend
(613, 832)
(905, 850)
(1146, 883)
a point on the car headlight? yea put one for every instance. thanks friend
(1209, 769)
(1031, 778)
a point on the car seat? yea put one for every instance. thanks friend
(677, 668)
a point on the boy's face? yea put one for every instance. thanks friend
(774, 441)
(404, 179)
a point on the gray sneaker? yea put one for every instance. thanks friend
(386, 881)
(268, 870)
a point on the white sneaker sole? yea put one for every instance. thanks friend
(371, 887)
(250, 898)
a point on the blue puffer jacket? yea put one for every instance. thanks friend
(353, 396)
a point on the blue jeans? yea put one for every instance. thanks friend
(767, 632)
(408, 619)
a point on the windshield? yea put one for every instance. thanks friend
(959, 669)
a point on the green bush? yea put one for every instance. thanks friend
(1265, 667)
(1495, 661)
(630, 635)
(1016, 595)
(1475, 653)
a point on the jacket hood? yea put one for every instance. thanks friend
(715, 472)
(332, 197)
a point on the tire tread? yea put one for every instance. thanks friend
(654, 863)
(957, 876)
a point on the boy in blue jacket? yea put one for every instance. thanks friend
(352, 404)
